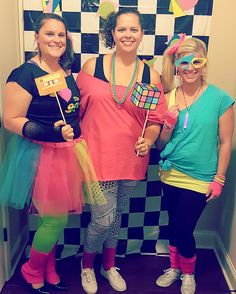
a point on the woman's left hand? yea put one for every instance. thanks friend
(66, 130)
(142, 147)
(214, 191)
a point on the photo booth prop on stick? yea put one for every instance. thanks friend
(51, 84)
(146, 96)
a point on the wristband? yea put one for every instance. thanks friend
(171, 119)
(220, 179)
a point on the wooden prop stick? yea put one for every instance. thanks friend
(62, 114)
(145, 123)
(144, 127)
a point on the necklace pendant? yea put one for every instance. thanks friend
(186, 120)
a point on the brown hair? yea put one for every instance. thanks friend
(110, 24)
(67, 57)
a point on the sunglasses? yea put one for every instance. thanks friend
(185, 61)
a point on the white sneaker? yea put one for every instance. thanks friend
(114, 278)
(170, 275)
(188, 284)
(88, 281)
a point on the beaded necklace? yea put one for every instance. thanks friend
(187, 106)
(113, 82)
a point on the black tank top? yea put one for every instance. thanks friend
(99, 72)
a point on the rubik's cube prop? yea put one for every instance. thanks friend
(146, 96)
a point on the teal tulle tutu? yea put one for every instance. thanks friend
(17, 172)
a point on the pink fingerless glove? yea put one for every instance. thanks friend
(171, 119)
(216, 189)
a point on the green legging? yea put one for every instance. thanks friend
(48, 232)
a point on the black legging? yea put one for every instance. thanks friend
(184, 209)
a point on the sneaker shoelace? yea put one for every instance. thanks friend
(188, 280)
(168, 272)
(114, 272)
(88, 274)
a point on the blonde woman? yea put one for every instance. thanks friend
(196, 146)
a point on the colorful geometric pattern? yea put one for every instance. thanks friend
(145, 96)
(84, 24)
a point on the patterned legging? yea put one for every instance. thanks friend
(104, 228)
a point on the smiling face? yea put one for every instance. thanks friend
(128, 32)
(51, 39)
(191, 67)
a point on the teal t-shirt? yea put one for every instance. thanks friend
(194, 150)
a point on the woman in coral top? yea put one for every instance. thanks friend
(112, 125)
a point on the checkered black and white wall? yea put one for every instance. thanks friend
(145, 219)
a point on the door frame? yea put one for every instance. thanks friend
(2, 251)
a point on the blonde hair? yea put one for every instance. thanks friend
(191, 45)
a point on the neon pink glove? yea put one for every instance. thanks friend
(171, 118)
(214, 190)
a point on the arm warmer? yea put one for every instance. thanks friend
(38, 131)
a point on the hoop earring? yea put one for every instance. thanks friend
(178, 78)
(204, 75)
(113, 47)
(142, 47)
(39, 53)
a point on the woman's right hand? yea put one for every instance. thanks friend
(67, 131)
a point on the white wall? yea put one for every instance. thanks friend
(9, 59)
(222, 73)
(9, 50)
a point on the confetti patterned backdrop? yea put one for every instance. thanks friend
(145, 220)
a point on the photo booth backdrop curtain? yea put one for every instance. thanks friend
(144, 223)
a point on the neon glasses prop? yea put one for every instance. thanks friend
(185, 61)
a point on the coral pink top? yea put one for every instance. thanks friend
(111, 129)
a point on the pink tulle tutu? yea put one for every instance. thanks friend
(65, 179)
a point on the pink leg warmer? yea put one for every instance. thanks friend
(108, 258)
(88, 259)
(51, 274)
(174, 257)
(33, 270)
(187, 265)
